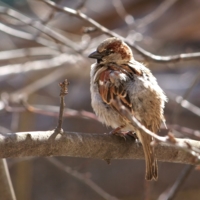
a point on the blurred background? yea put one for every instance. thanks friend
(41, 46)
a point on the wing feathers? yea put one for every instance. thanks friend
(111, 86)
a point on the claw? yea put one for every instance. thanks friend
(123, 134)
(132, 135)
(118, 134)
(117, 130)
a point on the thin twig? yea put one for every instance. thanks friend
(53, 111)
(184, 103)
(6, 189)
(56, 61)
(121, 11)
(27, 36)
(81, 5)
(185, 96)
(63, 92)
(185, 130)
(18, 95)
(189, 106)
(82, 178)
(50, 16)
(194, 82)
(146, 54)
(47, 110)
(40, 27)
(24, 52)
(38, 84)
(172, 192)
(155, 14)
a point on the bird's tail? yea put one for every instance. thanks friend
(151, 161)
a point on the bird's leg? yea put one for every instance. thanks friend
(123, 134)
(118, 132)
(131, 134)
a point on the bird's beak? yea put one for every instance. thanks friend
(95, 55)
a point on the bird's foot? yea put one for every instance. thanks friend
(132, 135)
(123, 134)
(118, 132)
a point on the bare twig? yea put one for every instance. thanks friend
(84, 179)
(53, 111)
(185, 130)
(38, 84)
(171, 193)
(189, 106)
(186, 95)
(17, 33)
(30, 52)
(42, 28)
(184, 103)
(155, 14)
(27, 36)
(39, 64)
(192, 85)
(63, 92)
(88, 29)
(6, 189)
(81, 5)
(119, 7)
(146, 54)
(47, 20)
(47, 110)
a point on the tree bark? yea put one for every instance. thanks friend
(85, 145)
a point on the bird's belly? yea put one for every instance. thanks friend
(106, 114)
(109, 116)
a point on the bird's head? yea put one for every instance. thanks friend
(112, 50)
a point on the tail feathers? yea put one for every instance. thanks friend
(151, 167)
(151, 161)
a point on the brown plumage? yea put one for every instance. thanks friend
(117, 76)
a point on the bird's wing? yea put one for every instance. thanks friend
(111, 83)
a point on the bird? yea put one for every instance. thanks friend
(117, 76)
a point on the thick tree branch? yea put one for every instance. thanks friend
(85, 145)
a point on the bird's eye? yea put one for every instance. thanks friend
(109, 51)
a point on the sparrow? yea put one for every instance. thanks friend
(117, 76)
